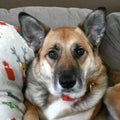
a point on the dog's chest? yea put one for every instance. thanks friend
(54, 109)
(60, 108)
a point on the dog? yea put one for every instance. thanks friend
(67, 79)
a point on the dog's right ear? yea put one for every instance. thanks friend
(33, 31)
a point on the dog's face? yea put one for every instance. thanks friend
(65, 61)
(68, 59)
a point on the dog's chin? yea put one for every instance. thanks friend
(75, 92)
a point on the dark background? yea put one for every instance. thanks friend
(111, 5)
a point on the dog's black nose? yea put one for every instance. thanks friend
(67, 79)
(67, 83)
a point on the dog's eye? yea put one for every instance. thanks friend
(78, 52)
(53, 54)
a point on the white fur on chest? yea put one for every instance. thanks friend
(55, 108)
(59, 106)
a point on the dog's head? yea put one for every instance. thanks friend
(68, 57)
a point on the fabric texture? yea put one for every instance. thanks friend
(14, 56)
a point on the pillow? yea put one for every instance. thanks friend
(13, 48)
(14, 55)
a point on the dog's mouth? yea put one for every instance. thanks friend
(70, 85)
(69, 98)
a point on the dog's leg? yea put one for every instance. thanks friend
(112, 96)
(112, 101)
(31, 112)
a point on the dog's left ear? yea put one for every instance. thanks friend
(94, 26)
(33, 31)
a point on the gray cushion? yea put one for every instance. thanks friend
(110, 46)
(51, 16)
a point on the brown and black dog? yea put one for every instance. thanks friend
(67, 79)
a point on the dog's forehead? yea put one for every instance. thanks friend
(67, 36)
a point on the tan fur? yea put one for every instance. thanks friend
(65, 37)
(31, 112)
(112, 97)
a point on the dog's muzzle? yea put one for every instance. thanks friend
(67, 78)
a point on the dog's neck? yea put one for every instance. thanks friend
(57, 106)
(61, 109)
(64, 98)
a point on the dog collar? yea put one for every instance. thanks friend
(93, 83)
(67, 98)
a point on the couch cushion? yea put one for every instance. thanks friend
(51, 16)
(110, 46)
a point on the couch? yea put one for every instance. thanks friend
(58, 17)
